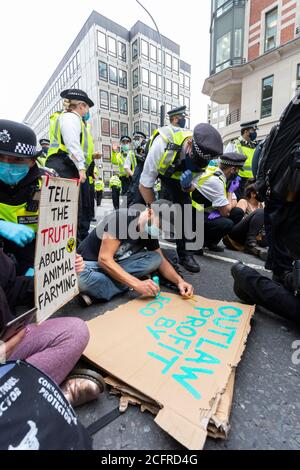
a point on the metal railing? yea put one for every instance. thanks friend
(235, 62)
(233, 117)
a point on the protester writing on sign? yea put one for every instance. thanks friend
(122, 251)
(55, 346)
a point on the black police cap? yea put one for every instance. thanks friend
(207, 140)
(17, 140)
(233, 159)
(79, 95)
(249, 125)
(177, 112)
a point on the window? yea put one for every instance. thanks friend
(153, 106)
(168, 63)
(135, 50)
(115, 131)
(159, 82)
(182, 80)
(221, 124)
(114, 102)
(136, 127)
(187, 102)
(153, 53)
(106, 150)
(168, 87)
(175, 89)
(271, 29)
(122, 51)
(238, 43)
(175, 65)
(145, 104)
(112, 47)
(123, 105)
(104, 104)
(187, 82)
(153, 128)
(103, 74)
(135, 78)
(267, 96)
(124, 128)
(136, 104)
(145, 49)
(123, 79)
(181, 100)
(215, 115)
(146, 128)
(153, 80)
(222, 113)
(145, 77)
(223, 49)
(101, 41)
(113, 78)
(105, 127)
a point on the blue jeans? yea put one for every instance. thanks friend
(95, 283)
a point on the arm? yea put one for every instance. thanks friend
(167, 271)
(150, 172)
(109, 248)
(71, 129)
(242, 204)
(127, 166)
(225, 210)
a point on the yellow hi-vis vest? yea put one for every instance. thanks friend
(90, 147)
(209, 173)
(56, 140)
(20, 215)
(115, 182)
(248, 152)
(99, 185)
(119, 159)
(174, 141)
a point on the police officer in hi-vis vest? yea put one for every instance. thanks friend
(115, 185)
(20, 184)
(245, 145)
(173, 151)
(119, 159)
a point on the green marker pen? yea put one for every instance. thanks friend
(156, 281)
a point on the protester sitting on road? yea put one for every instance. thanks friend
(215, 190)
(55, 346)
(122, 251)
(248, 235)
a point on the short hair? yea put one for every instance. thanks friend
(250, 188)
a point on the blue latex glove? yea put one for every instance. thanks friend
(186, 180)
(235, 185)
(30, 272)
(17, 233)
(214, 215)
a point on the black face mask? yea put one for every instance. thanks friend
(182, 122)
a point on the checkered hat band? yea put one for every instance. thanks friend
(25, 149)
(226, 162)
(199, 152)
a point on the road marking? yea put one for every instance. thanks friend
(222, 258)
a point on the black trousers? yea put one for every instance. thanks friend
(215, 230)
(171, 191)
(115, 192)
(134, 196)
(255, 289)
(125, 184)
(99, 197)
(92, 201)
(249, 228)
(84, 213)
(63, 165)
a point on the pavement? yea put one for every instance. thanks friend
(266, 405)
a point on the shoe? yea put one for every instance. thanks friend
(83, 386)
(189, 263)
(85, 300)
(257, 251)
(238, 271)
(287, 280)
(215, 248)
(199, 252)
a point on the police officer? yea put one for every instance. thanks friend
(41, 156)
(115, 185)
(173, 151)
(215, 190)
(140, 144)
(178, 117)
(99, 189)
(119, 159)
(245, 145)
(20, 184)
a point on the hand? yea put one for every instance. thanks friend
(235, 185)
(185, 289)
(7, 348)
(30, 273)
(17, 233)
(97, 156)
(214, 215)
(186, 180)
(147, 288)
(79, 264)
(115, 147)
(82, 176)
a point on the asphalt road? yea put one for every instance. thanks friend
(266, 405)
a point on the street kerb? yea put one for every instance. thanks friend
(176, 358)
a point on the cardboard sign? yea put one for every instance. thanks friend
(56, 280)
(181, 354)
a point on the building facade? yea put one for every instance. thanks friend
(121, 71)
(217, 115)
(260, 83)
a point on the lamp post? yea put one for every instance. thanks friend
(162, 107)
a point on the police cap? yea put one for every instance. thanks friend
(17, 140)
(125, 138)
(249, 125)
(177, 112)
(44, 142)
(207, 141)
(79, 95)
(140, 135)
(233, 159)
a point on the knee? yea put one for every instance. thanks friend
(228, 225)
(155, 261)
(237, 215)
(77, 330)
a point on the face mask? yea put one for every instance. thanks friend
(136, 144)
(125, 148)
(87, 117)
(182, 123)
(192, 163)
(12, 173)
(152, 230)
(253, 136)
(45, 150)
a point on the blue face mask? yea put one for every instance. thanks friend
(87, 116)
(12, 173)
(253, 136)
(152, 230)
(182, 123)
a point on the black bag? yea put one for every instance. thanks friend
(34, 414)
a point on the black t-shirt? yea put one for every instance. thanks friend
(123, 227)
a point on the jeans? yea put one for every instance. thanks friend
(98, 285)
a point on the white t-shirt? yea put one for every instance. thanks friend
(70, 126)
(213, 190)
(127, 164)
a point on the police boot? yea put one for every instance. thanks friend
(252, 248)
(189, 263)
